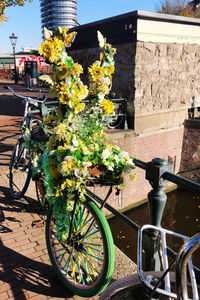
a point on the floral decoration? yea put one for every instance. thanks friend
(78, 151)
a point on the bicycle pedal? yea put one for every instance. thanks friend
(38, 223)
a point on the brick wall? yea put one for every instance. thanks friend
(5, 74)
(166, 145)
(190, 158)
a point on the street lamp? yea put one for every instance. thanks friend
(13, 40)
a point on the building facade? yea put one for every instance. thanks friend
(56, 13)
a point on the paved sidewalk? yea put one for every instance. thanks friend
(25, 270)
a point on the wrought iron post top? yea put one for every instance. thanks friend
(154, 171)
(160, 161)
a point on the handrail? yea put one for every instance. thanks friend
(140, 164)
(192, 186)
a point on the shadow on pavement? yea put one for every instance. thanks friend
(11, 106)
(19, 271)
(23, 273)
(27, 204)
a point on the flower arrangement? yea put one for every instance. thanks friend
(78, 151)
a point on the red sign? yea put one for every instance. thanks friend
(19, 61)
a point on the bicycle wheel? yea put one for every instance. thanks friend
(40, 191)
(85, 263)
(130, 287)
(19, 171)
(118, 118)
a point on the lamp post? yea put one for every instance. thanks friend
(13, 40)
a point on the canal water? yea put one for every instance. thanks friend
(181, 214)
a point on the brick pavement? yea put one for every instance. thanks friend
(25, 270)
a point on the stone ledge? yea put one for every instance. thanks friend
(192, 123)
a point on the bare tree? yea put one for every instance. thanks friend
(7, 3)
(173, 7)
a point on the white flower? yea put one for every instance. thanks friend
(51, 152)
(35, 161)
(68, 158)
(116, 157)
(106, 153)
(68, 81)
(125, 155)
(116, 147)
(130, 163)
(110, 168)
(101, 96)
(47, 34)
(87, 164)
(75, 142)
(86, 151)
(81, 173)
(71, 148)
(63, 57)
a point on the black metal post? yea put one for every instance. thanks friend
(16, 77)
(13, 40)
(157, 200)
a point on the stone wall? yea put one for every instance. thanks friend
(123, 79)
(167, 77)
(159, 72)
(157, 78)
(167, 84)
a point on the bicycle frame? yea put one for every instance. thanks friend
(184, 257)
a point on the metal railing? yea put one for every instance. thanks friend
(158, 172)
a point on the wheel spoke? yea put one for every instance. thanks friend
(82, 260)
(89, 235)
(90, 254)
(20, 171)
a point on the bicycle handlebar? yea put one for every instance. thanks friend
(26, 98)
(38, 90)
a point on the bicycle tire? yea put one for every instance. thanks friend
(132, 288)
(19, 172)
(40, 191)
(118, 118)
(75, 265)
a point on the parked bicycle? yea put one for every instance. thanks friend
(85, 262)
(20, 170)
(179, 279)
(84, 258)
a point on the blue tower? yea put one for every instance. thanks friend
(56, 13)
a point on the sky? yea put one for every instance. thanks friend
(25, 21)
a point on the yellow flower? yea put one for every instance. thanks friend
(63, 72)
(63, 93)
(70, 183)
(67, 167)
(55, 55)
(58, 193)
(46, 49)
(77, 69)
(81, 92)
(79, 107)
(132, 177)
(60, 130)
(110, 70)
(96, 71)
(107, 107)
(103, 87)
(49, 119)
(57, 44)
